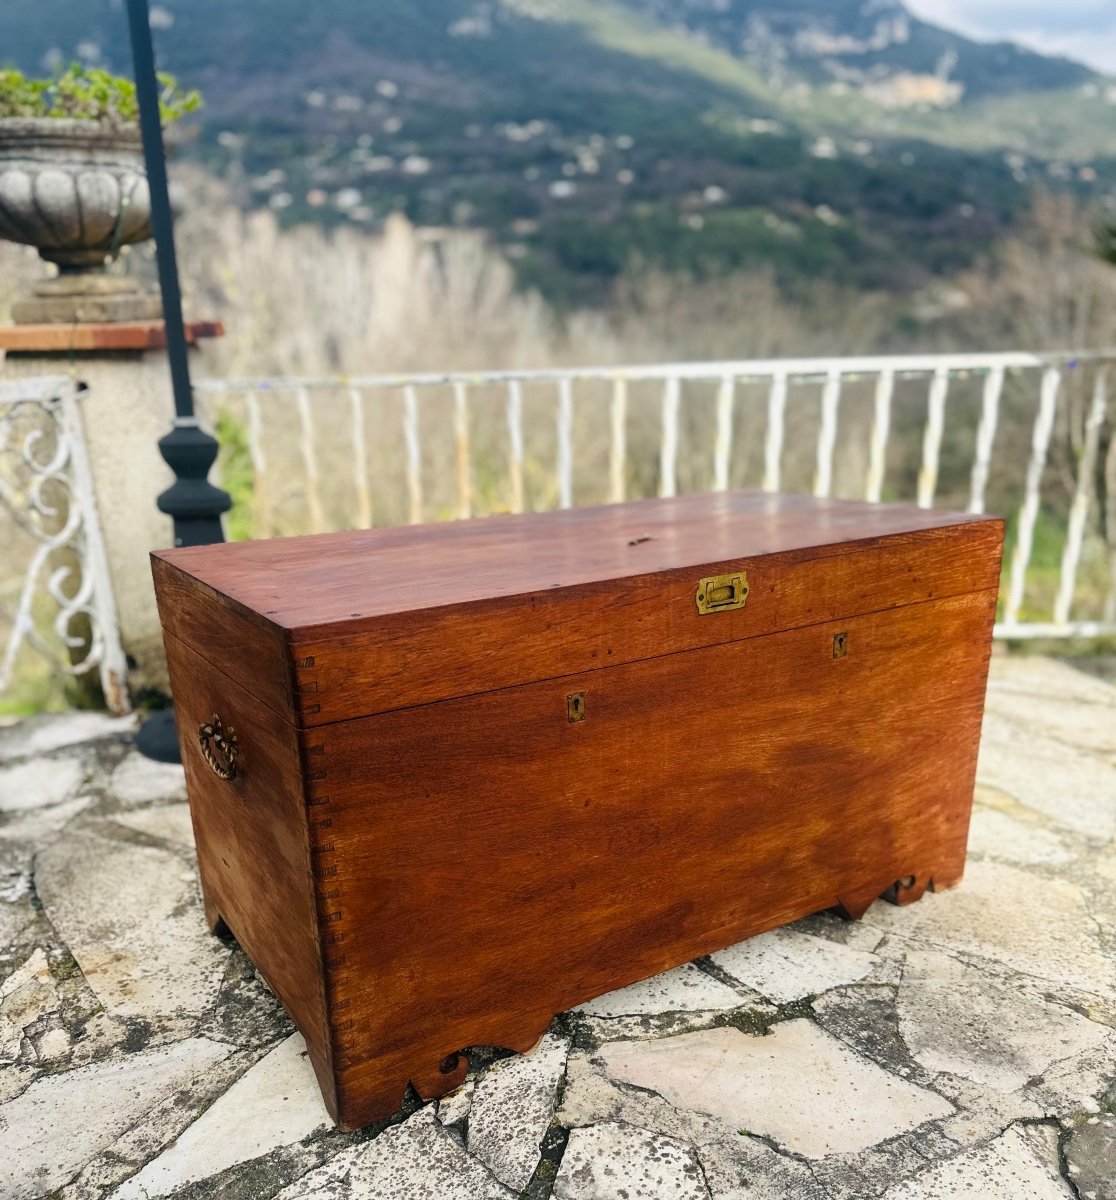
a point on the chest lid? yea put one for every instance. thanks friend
(328, 627)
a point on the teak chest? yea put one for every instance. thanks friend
(447, 781)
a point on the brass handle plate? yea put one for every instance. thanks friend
(219, 747)
(721, 593)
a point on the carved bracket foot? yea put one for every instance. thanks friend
(374, 1089)
(854, 905)
(904, 890)
(907, 890)
(447, 1075)
(215, 921)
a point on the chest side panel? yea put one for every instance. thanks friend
(253, 842)
(421, 656)
(496, 862)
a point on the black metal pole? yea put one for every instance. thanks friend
(192, 502)
(162, 223)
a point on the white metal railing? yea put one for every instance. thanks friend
(1056, 401)
(53, 548)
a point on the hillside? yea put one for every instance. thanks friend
(861, 43)
(839, 138)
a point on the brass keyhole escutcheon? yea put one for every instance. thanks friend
(575, 707)
(840, 645)
(219, 747)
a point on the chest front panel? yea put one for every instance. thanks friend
(495, 861)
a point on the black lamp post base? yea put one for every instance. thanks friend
(196, 506)
(157, 737)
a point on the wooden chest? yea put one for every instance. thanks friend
(450, 780)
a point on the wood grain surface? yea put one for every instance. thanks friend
(496, 864)
(429, 846)
(419, 657)
(253, 843)
(233, 639)
(386, 619)
(324, 583)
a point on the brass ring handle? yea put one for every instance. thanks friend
(219, 747)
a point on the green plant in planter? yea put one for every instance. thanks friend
(88, 94)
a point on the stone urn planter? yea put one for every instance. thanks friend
(76, 191)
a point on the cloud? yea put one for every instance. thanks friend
(1080, 29)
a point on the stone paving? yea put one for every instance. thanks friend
(964, 1047)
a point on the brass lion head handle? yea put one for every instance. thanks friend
(219, 747)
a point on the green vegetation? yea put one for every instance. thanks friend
(41, 685)
(1044, 569)
(234, 462)
(619, 28)
(88, 94)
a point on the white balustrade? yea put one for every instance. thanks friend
(883, 402)
(932, 437)
(565, 442)
(1082, 497)
(827, 432)
(461, 445)
(618, 441)
(52, 536)
(361, 483)
(881, 430)
(722, 446)
(414, 453)
(668, 447)
(515, 443)
(310, 462)
(1028, 513)
(773, 448)
(1030, 434)
(986, 433)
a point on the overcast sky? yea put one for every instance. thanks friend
(1081, 29)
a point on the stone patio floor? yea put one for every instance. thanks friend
(961, 1047)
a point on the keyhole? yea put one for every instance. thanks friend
(840, 645)
(575, 707)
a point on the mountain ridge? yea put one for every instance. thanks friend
(842, 138)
